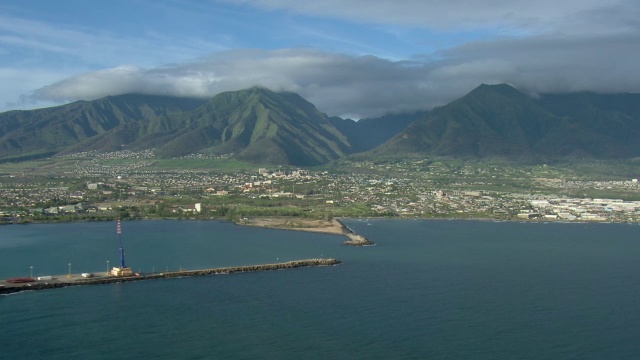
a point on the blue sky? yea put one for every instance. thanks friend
(350, 57)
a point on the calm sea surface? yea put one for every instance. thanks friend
(430, 289)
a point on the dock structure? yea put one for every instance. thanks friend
(77, 280)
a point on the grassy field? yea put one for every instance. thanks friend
(49, 165)
(217, 164)
(61, 165)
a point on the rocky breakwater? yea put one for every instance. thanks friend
(254, 268)
(354, 239)
(357, 240)
(62, 282)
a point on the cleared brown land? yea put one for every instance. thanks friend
(322, 226)
(333, 226)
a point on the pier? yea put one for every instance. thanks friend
(97, 279)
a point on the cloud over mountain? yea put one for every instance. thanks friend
(367, 86)
(537, 46)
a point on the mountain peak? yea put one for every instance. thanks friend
(489, 95)
(501, 89)
(501, 121)
(504, 86)
(258, 125)
(258, 90)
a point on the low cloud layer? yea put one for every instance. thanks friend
(366, 86)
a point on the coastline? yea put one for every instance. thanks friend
(333, 226)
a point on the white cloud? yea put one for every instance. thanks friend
(336, 83)
(557, 64)
(367, 86)
(544, 46)
(36, 54)
(22, 81)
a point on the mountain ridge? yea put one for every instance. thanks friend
(262, 126)
(245, 122)
(52, 129)
(501, 121)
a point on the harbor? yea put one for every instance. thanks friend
(14, 285)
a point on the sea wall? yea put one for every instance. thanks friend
(61, 282)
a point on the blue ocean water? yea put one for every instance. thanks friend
(429, 289)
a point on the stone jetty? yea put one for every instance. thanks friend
(334, 226)
(354, 238)
(60, 282)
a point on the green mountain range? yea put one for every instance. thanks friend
(262, 126)
(43, 132)
(498, 121)
(256, 125)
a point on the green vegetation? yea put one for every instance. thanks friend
(492, 122)
(33, 134)
(494, 153)
(500, 122)
(257, 125)
(218, 164)
(427, 187)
